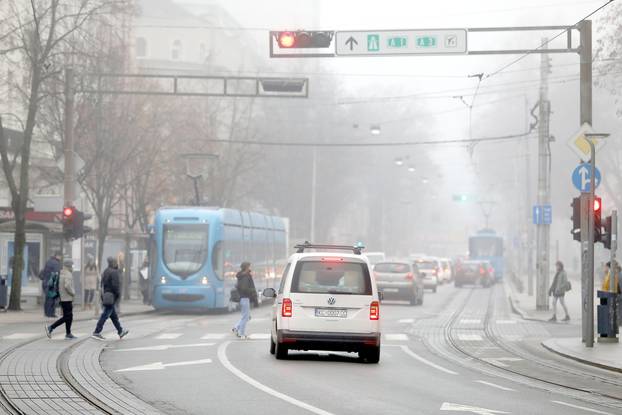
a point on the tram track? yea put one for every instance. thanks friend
(449, 331)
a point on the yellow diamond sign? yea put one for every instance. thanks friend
(578, 142)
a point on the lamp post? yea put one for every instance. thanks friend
(197, 167)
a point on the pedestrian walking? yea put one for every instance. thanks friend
(558, 290)
(144, 282)
(90, 283)
(50, 271)
(248, 293)
(66, 293)
(111, 293)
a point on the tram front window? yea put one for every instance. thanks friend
(185, 248)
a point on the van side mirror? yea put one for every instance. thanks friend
(269, 292)
(380, 295)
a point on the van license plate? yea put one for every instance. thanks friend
(331, 312)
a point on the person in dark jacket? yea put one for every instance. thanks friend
(248, 293)
(111, 293)
(558, 291)
(51, 269)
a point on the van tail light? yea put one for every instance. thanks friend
(482, 271)
(374, 310)
(286, 309)
(409, 276)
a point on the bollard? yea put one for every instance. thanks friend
(607, 317)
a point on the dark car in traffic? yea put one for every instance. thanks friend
(474, 272)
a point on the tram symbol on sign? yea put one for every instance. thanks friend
(451, 41)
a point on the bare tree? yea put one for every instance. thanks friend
(37, 38)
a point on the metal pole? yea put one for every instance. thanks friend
(544, 197)
(613, 272)
(195, 182)
(69, 173)
(313, 193)
(528, 202)
(587, 238)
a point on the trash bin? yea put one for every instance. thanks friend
(4, 291)
(607, 316)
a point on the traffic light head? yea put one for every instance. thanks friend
(69, 214)
(301, 39)
(598, 231)
(597, 202)
(576, 219)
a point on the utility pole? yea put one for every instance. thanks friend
(544, 184)
(587, 235)
(69, 178)
(528, 201)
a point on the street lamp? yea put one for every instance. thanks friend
(197, 166)
(398, 161)
(411, 169)
(374, 130)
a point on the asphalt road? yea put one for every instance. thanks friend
(462, 351)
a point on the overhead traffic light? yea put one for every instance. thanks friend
(576, 219)
(300, 39)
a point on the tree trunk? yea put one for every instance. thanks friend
(18, 261)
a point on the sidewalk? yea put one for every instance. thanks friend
(604, 355)
(35, 314)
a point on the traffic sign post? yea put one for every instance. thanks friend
(542, 214)
(401, 42)
(582, 177)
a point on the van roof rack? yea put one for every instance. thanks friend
(356, 249)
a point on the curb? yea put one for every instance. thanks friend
(580, 360)
(92, 317)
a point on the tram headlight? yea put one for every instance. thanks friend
(162, 279)
(204, 281)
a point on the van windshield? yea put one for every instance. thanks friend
(324, 277)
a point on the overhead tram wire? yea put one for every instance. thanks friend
(523, 56)
(459, 141)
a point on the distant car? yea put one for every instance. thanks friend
(326, 301)
(429, 269)
(445, 272)
(400, 279)
(375, 257)
(474, 272)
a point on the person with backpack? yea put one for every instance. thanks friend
(111, 293)
(66, 294)
(558, 290)
(245, 287)
(50, 290)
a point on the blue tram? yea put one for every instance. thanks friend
(487, 245)
(195, 253)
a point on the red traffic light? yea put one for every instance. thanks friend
(68, 212)
(596, 205)
(286, 39)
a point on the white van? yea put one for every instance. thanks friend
(326, 301)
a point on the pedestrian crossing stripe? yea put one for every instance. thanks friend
(506, 322)
(469, 337)
(396, 337)
(259, 336)
(470, 321)
(213, 336)
(169, 336)
(20, 336)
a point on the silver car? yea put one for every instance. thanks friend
(399, 279)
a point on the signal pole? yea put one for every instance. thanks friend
(544, 185)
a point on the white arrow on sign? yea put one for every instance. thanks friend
(163, 347)
(473, 409)
(497, 360)
(585, 174)
(161, 366)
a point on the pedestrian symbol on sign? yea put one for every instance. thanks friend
(373, 43)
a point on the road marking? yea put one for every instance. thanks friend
(506, 322)
(497, 360)
(20, 336)
(396, 337)
(595, 411)
(426, 361)
(494, 385)
(470, 337)
(162, 366)
(473, 409)
(406, 321)
(222, 357)
(163, 347)
(259, 336)
(214, 336)
(169, 336)
(470, 321)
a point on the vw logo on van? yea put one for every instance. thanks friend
(331, 300)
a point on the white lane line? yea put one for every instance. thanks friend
(470, 321)
(21, 336)
(456, 407)
(222, 357)
(406, 321)
(161, 347)
(506, 322)
(494, 385)
(259, 336)
(162, 366)
(470, 337)
(426, 361)
(169, 336)
(595, 411)
(396, 337)
(214, 336)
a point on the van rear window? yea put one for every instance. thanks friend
(324, 277)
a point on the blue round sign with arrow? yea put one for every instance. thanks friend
(581, 177)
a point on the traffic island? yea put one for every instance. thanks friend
(603, 355)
